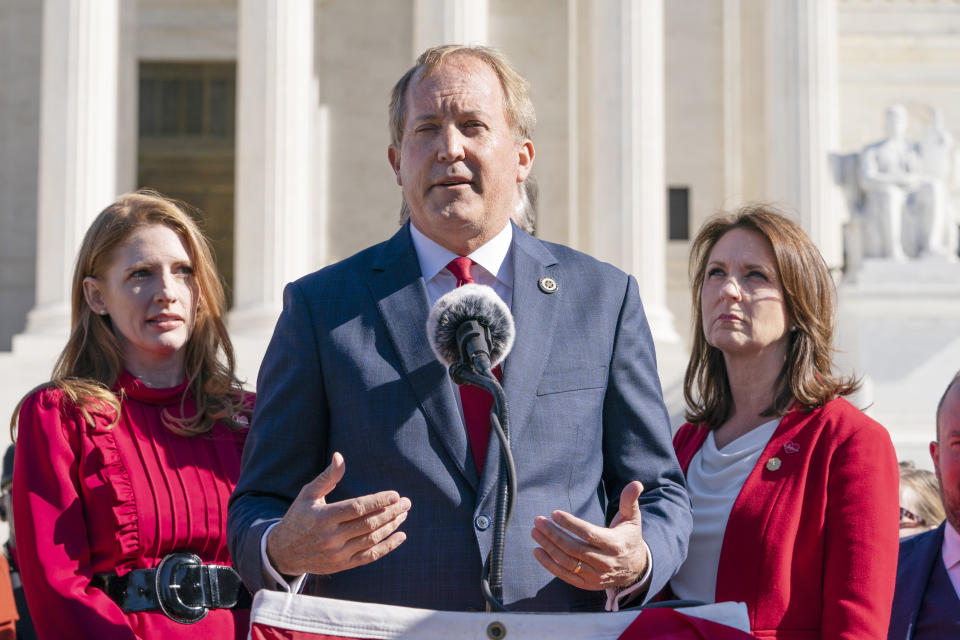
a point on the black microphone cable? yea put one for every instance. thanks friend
(491, 581)
(471, 330)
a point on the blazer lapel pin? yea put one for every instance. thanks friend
(548, 284)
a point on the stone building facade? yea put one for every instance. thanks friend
(270, 117)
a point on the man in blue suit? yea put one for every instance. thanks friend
(926, 603)
(358, 428)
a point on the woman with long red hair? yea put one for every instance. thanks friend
(126, 459)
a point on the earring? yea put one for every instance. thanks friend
(793, 328)
(103, 312)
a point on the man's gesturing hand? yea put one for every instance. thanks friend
(592, 557)
(315, 536)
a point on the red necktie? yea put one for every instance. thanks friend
(476, 402)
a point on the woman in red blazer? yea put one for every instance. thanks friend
(794, 491)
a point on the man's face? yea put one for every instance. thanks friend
(459, 163)
(946, 455)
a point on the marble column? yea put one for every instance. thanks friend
(78, 145)
(803, 117)
(276, 104)
(438, 22)
(629, 202)
(128, 102)
(732, 103)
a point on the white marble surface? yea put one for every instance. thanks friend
(276, 98)
(900, 330)
(78, 143)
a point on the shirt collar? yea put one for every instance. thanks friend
(492, 256)
(951, 546)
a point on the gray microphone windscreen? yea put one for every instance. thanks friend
(470, 302)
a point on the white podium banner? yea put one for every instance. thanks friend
(284, 616)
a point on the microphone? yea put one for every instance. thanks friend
(471, 325)
(471, 330)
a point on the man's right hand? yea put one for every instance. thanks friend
(315, 536)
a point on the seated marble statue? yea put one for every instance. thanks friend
(904, 203)
(937, 152)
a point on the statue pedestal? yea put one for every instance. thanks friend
(899, 329)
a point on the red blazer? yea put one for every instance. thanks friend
(811, 542)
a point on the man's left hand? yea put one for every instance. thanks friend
(591, 557)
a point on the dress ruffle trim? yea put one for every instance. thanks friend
(124, 505)
(113, 471)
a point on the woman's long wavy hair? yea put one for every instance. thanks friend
(92, 360)
(810, 297)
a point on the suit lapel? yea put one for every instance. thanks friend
(738, 565)
(913, 572)
(534, 313)
(400, 295)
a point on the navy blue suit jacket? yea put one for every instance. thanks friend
(349, 369)
(918, 556)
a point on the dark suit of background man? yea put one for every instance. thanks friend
(350, 390)
(926, 604)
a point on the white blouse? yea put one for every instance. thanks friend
(714, 480)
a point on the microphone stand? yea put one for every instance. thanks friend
(491, 581)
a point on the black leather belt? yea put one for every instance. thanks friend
(181, 586)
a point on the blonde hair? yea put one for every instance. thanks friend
(924, 484)
(809, 295)
(92, 359)
(517, 105)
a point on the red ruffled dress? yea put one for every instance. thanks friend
(102, 499)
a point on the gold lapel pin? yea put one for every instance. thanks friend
(773, 463)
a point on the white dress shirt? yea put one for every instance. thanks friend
(714, 480)
(492, 267)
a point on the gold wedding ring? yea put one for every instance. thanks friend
(576, 569)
